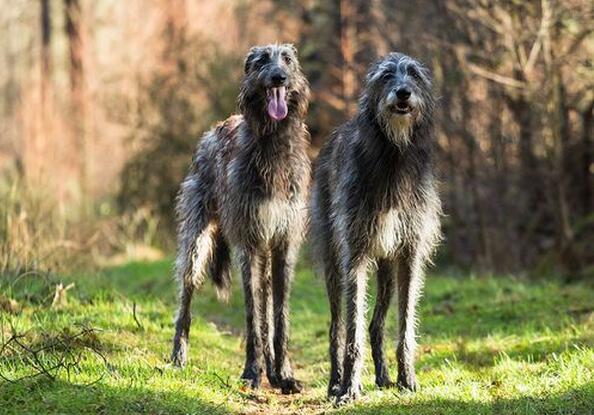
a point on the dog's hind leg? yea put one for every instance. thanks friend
(410, 281)
(191, 274)
(267, 329)
(283, 264)
(196, 243)
(179, 355)
(334, 291)
(385, 290)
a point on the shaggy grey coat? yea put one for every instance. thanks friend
(374, 201)
(247, 192)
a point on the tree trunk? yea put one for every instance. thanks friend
(46, 57)
(587, 199)
(504, 226)
(365, 46)
(78, 101)
(174, 35)
(522, 113)
(556, 126)
(348, 15)
(37, 145)
(484, 252)
(357, 48)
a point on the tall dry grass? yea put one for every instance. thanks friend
(39, 234)
(33, 229)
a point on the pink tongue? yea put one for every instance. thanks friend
(277, 105)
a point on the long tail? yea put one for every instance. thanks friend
(202, 250)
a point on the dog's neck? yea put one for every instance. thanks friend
(263, 126)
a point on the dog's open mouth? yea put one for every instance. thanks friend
(277, 103)
(402, 108)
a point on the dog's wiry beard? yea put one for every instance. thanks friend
(397, 127)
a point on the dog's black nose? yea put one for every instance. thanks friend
(403, 93)
(279, 78)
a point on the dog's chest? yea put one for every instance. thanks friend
(388, 233)
(276, 215)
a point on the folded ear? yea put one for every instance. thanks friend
(375, 72)
(250, 58)
(292, 48)
(381, 67)
(426, 73)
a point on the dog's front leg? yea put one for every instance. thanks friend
(283, 264)
(355, 286)
(410, 281)
(267, 328)
(336, 334)
(250, 273)
(386, 277)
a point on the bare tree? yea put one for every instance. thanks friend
(175, 22)
(78, 98)
(357, 48)
(46, 56)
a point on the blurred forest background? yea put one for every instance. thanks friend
(102, 103)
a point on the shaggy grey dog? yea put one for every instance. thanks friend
(374, 201)
(247, 192)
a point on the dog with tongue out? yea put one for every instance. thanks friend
(277, 101)
(274, 92)
(246, 193)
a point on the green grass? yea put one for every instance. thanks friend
(487, 346)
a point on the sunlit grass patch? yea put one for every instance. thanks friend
(487, 346)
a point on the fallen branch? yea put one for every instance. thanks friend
(49, 357)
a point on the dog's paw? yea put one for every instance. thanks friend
(384, 382)
(348, 395)
(251, 377)
(179, 357)
(333, 389)
(274, 380)
(290, 386)
(407, 383)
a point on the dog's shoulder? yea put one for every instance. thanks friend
(229, 127)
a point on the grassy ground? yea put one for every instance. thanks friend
(487, 346)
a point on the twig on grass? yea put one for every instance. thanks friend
(54, 354)
(140, 326)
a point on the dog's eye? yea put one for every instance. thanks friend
(287, 59)
(414, 73)
(264, 58)
(387, 76)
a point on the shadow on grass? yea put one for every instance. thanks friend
(578, 401)
(60, 397)
(453, 309)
